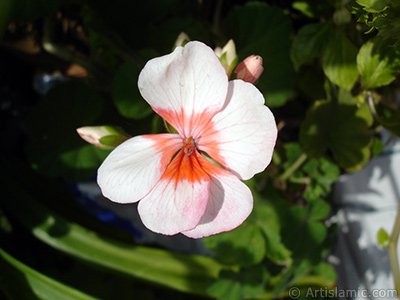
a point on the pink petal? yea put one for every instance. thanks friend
(134, 167)
(179, 199)
(242, 136)
(229, 204)
(186, 87)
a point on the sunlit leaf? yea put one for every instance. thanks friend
(383, 238)
(319, 210)
(19, 281)
(374, 6)
(378, 63)
(339, 61)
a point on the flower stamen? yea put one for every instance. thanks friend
(188, 145)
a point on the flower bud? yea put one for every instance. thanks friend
(181, 40)
(227, 56)
(104, 137)
(250, 69)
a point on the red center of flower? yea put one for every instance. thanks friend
(188, 145)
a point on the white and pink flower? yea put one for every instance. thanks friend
(179, 188)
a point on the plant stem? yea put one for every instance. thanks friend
(393, 258)
(285, 175)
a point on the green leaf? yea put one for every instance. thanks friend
(310, 42)
(383, 238)
(253, 280)
(327, 271)
(183, 272)
(6, 12)
(391, 122)
(227, 287)
(374, 6)
(336, 127)
(339, 61)
(247, 283)
(19, 281)
(264, 30)
(323, 173)
(378, 63)
(126, 94)
(319, 210)
(300, 234)
(233, 247)
(313, 8)
(55, 148)
(304, 7)
(268, 220)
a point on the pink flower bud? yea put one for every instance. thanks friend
(250, 69)
(104, 137)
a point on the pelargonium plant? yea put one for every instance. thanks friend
(189, 181)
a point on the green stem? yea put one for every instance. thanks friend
(393, 258)
(285, 175)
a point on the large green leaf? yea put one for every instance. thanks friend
(244, 245)
(310, 42)
(378, 63)
(248, 283)
(333, 126)
(339, 61)
(268, 220)
(126, 94)
(301, 233)
(19, 281)
(186, 273)
(55, 148)
(260, 29)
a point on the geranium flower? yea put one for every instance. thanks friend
(180, 190)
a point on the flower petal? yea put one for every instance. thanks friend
(186, 87)
(229, 204)
(134, 167)
(242, 136)
(179, 199)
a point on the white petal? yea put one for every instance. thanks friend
(242, 136)
(179, 199)
(133, 168)
(229, 204)
(186, 87)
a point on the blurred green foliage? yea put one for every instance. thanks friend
(330, 70)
